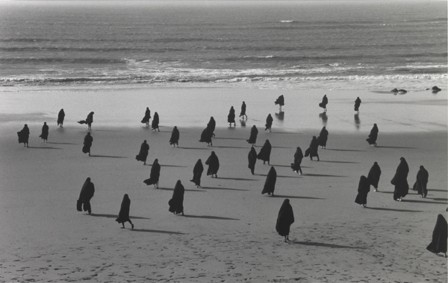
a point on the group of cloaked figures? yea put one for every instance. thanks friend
(285, 215)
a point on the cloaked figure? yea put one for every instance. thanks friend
(280, 101)
(374, 175)
(243, 111)
(176, 202)
(24, 135)
(269, 184)
(312, 150)
(206, 136)
(88, 120)
(363, 190)
(253, 135)
(400, 180)
(44, 133)
(143, 154)
(265, 152)
(123, 215)
(373, 135)
(86, 194)
(298, 156)
(323, 137)
(147, 116)
(211, 125)
(268, 124)
(231, 117)
(197, 173)
(174, 140)
(439, 237)
(284, 220)
(357, 104)
(61, 117)
(252, 158)
(155, 122)
(421, 183)
(435, 89)
(324, 103)
(213, 165)
(154, 175)
(88, 140)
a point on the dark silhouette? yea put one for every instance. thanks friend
(88, 120)
(439, 235)
(154, 175)
(88, 140)
(143, 154)
(298, 156)
(174, 140)
(253, 135)
(374, 175)
(269, 184)
(400, 180)
(252, 158)
(323, 137)
(373, 135)
(147, 116)
(155, 122)
(61, 117)
(422, 181)
(86, 194)
(357, 120)
(363, 190)
(44, 133)
(435, 89)
(357, 104)
(268, 124)
(123, 215)
(324, 103)
(176, 202)
(211, 126)
(324, 117)
(206, 136)
(284, 220)
(231, 117)
(312, 150)
(197, 173)
(213, 165)
(280, 101)
(24, 135)
(243, 111)
(280, 115)
(265, 152)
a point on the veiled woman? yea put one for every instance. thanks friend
(363, 190)
(123, 215)
(147, 116)
(253, 135)
(44, 132)
(154, 175)
(174, 139)
(213, 165)
(231, 117)
(197, 173)
(374, 175)
(373, 135)
(422, 182)
(312, 150)
(143, 154)
(252, 158)
(284, 220)
(268, 124)
(400, 180)
(269, 184)
(265, 152)
(155, 122)
(176, 202)
(298, 156)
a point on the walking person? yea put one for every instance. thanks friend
(123, 215)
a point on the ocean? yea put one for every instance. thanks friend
(261, 42)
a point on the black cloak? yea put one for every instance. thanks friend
(243, 109)
(174, 140)
(231, 116)
(213, 164)
(154, 175)
(88, 120)
(324, 102)
(265, 152)
(176, 203)
(123, 215)
(88, 140)
(285, 219)
(211, 125)
(400, 180)
(269, 120)
(86, 194)
(253, 135)
(439, 235)
(61, 116)
(206, 136)
(422, 181)
(363, 190)
(357, 103)
(197, 173)
(280, 100)
(323, 137)
(44, 133)
(143, 154)
(155, 122)
(298, 156)
(373, 135)
(24, 134)
(252, 157)
(374, 175)
(269, 184)
(147, 116)
(312, 150)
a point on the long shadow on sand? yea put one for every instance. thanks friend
(167, 165)
(172, 189)
(158, 231)
(323, 175)
(297, 197)
(395, 147)
(197, 148)
(424, 201)
(68, 143)
(280, 176)
(237, 179)
(325, 245)
(393, 209)
(107, 156)
(437, 190)
(288, 166)
(341, 149)
(339, 161)
(224, 189)
(210, 217)
(228, 146)
(236, 139)
(115, 216)
(44, 147)
(440, 199)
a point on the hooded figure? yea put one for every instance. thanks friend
(421, 182)
(253, 135)
(88, 140)
(363, 190)
(86, 194)
(231, 117)
(143, 154)
(123, 215)
(373, 135)
(155, 122)
(206, 136)
(147, 116)
(280, 101)
(176, 203)
(357, 103)
(265, 152)
(24, 135)
(312, 149)
(324, 102)
(243, 111)
(400, 180)
(298, 156)
(197, 173)
(154, 175)
(323, 137)
(252, 157)
(61, 116)
(284, 220)
(213, 165)
(174, 140)
(44, 133)
(88, 120)
(269, 184)
(211, 126)
(268, 125)
(439, 235)
(374, 175)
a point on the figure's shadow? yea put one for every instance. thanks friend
(393, 209)
(224, 189)
(323, 175)
(280, 115)
(395, 147)
(172, 189)
(424, 201)
(324, 117)
(115, 216)
(44, 147)
(107, 156)
(357, 121)
(296, 197)
(65, 143)
(325, 245)
(158, 231)
(210, 217)
(237, 179)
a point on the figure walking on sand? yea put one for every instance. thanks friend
(86, 194)
(374, 176)
(143, 154)
(323, 137)
(373, 135)
(243, 111)
(268, 124)
(269, 184)
(363, 190)
(44, 133)
(285, 219)
(197, 173)
(253, 135)
(88, 140)
(155, 122)
(312, 150)
(206, 136)
(357, 104)
(123, 215)
(298, 156)
(324, 103)
(88, 121)
(280, 101)
(24, 135)
(400, 180)
(154, 175)
(176, 202)
(211, 126)
(61, 117)
(213, 165)
(421, 183)
(265, 152)
(174, 139)
(439, 237)
(252, 158)
(146, 118)
(231, 117)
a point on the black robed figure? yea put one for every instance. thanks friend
(253, 135)
(357, 103)
(211, 126)
(268, 124)
(88, 120)
(439, 237)
(284, 220)
(231, 117)
(323, 137)
(24, 135)
(176, 202)
(269, 184)
(155, 122)
(147, 116)
(206, 136)
(44, 132)
(324, 102)
(312, 150)
(265, 152)
(400, 180)
(373, 135)
(422, 181)
(243, 111)
(197, 173)
(174, 140)
(123, 215)
(252, 158)
(213, 165)
(154, 175)
(88, 140)
(61, 117)
(86, 194)
(143, 154)
(363, 190)
(374, 175)
(298, 156)
(280, 101)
